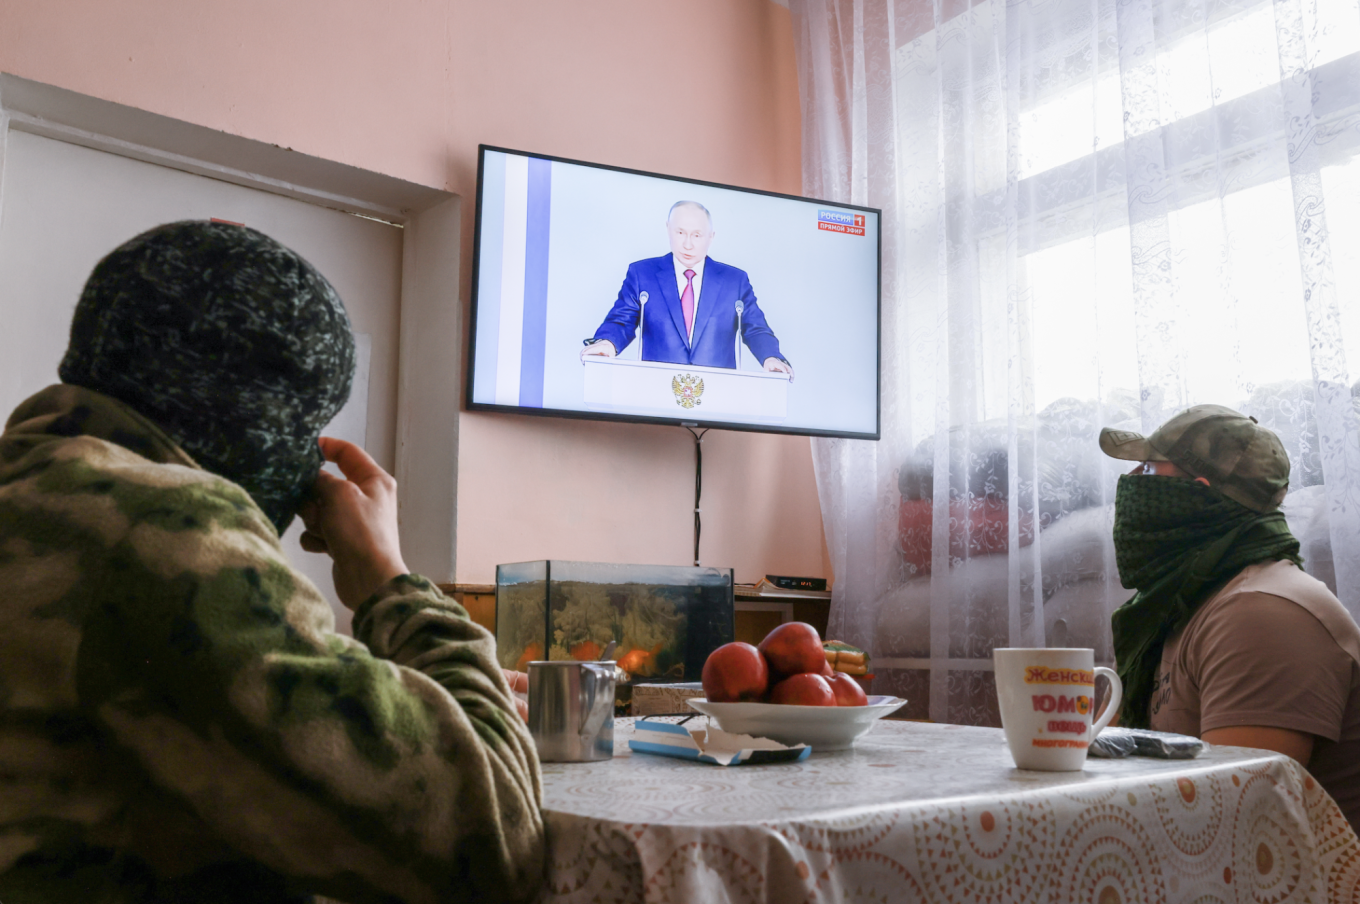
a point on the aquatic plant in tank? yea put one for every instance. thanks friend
(665, 619)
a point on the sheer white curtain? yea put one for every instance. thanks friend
(1096, 212)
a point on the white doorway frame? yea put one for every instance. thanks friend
(429, 348)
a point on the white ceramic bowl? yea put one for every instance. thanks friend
(819, 727)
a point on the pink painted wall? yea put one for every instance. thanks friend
(409, 88)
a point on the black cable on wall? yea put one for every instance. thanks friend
(698, 484)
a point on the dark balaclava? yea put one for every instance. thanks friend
(231, 343)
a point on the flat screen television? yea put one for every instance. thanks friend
(758, 311)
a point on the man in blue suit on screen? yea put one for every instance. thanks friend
(691, 305)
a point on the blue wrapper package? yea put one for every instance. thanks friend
(712, 745)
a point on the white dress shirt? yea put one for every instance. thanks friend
(680, 289)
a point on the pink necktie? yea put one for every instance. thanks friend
(687, 304)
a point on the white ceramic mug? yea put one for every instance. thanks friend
(1047, 703)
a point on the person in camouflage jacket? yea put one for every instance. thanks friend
(179, 722)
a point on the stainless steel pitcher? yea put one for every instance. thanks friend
(571, 710)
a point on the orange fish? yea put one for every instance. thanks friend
(586, 651)
(532, 653)
(639, 661)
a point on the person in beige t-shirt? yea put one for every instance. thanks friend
(1227, 638)
(1266, 651)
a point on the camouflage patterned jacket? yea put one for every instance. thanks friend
(179, 722)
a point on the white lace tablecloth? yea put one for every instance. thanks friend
(939, 813)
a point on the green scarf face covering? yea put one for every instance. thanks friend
(1175, 542)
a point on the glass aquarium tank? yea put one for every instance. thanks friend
(666, 619)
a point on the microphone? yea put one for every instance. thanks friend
(740, 307)
(642, 313)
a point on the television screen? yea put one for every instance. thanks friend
(757, 311)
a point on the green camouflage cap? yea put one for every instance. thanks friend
(1241, 459)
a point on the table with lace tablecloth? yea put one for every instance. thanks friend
(939, 813)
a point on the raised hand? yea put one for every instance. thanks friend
(519, 684)
(354, 519)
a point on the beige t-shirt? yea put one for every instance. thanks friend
(1272, 648)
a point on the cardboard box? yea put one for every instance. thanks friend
(662, 699)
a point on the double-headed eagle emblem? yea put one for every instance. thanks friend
(687, 389)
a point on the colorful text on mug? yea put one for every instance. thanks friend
(1042, 674)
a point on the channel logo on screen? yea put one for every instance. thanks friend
(840, 221)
